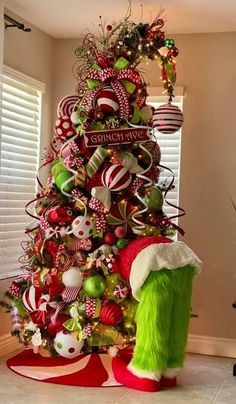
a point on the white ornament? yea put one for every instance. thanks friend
(72, 277)
(67, 345)
(74, 117)
(82, 227)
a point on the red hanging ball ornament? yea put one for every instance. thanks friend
(167, 118)
(109, 27)
(111, 314)
(107, 100)
(173, 52)
(120, 232)
(109, 238)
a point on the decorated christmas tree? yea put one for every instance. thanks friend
(98, 266)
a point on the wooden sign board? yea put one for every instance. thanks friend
(116, 136)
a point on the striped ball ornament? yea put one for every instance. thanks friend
(116, 177)
(107, 100)
(167, 118)
(30, 298)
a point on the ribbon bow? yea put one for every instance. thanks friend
(122, 79)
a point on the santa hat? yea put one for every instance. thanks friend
(153, 253)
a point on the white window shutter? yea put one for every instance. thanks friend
(19, 159)
(170, 155)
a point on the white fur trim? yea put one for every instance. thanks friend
(171, 373)
(144, 373)
(158, 256)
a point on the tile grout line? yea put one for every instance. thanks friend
(123, 395)
(221, 384)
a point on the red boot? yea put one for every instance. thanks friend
(128, 379)
(168, 382)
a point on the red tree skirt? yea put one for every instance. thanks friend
(93, 370)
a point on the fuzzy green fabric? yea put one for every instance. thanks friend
(162, 319)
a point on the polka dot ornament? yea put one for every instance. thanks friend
(63, 127)
(82, 227)
(167, 119)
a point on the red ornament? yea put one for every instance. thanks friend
(109, 27)
(63, 127)
(116, 177)
(167, 119)
(120, 232)
(110, 238)
(111, 314)
(60, 216)
(56, 326)
(102, 61)
(107, 100)
(174, 52)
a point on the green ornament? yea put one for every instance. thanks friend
(94, 286)
(169, 43)
(154, 199)
(57, 169)
(121, 243)
(61, 178)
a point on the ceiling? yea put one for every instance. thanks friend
(71, 18)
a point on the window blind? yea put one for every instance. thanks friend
(170, 156)
(19, 158)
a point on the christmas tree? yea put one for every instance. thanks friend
(102, 208)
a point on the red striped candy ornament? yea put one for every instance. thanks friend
(116, 177)
(107, 100)
(30, 298)
(167, 118)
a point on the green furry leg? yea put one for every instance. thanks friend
(162, 321)
(180, 317)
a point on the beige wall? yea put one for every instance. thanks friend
(32, 54)
(206, 68)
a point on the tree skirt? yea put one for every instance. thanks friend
(93, 370)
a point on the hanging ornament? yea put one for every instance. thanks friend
(82, 227)
(96, 161)
(167, 119)
(30, 298)
(72, 277)
(16, 320)
(67, 345)
(154, 199)
(66, 105)
(169, 43)
(116, 178)
(121, 291)
(63, 127)
(121, 214)
(107, 101)
(109, 238)
(94, 286)
(111, 314)
(60, 215)
(154, 150)
(120, 232)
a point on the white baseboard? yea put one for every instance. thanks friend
(198, 344)
(214, 346)
(8, 344)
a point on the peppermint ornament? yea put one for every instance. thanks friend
(116, 178)
(66, 105)
(121, 291)
(63, 127)
(107, 100)
(167, 119)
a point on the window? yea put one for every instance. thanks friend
(19, 158)
(170, 151)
